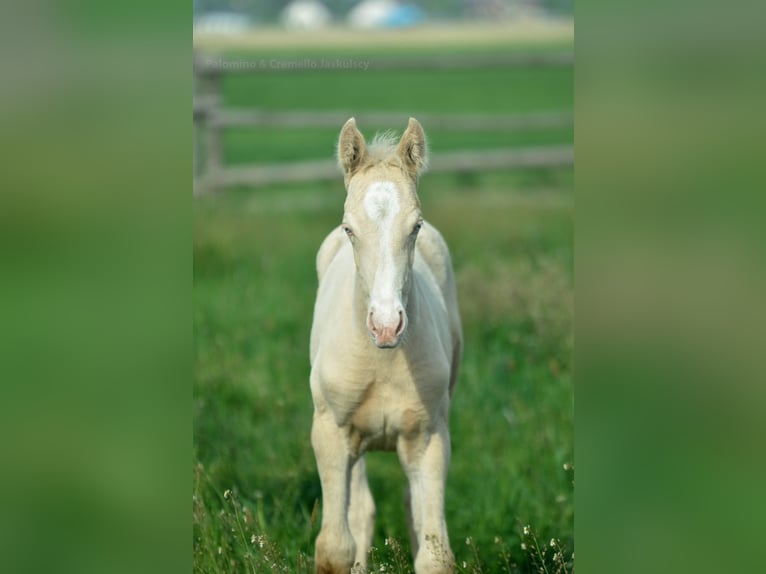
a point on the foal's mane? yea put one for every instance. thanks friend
(382, 147)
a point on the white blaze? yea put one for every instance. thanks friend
(381, 203)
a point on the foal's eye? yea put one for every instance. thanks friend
(347, 231)
(417, 227)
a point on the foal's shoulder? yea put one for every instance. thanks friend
(329, 248)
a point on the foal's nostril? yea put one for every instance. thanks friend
(371, 324)
(400, 326)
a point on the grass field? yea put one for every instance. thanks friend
(256, 489)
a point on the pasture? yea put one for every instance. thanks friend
(256, 488)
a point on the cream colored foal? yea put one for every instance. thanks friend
(385, 349)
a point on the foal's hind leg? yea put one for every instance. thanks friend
(361, 512)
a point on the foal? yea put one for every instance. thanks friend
(386, 344)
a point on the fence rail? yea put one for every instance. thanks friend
(376, 120)
(305, 171)
(213, 119)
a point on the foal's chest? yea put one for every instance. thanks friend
(386, 412)
(378, 398)
(377, 406)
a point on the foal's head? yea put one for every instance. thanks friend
(382, 220)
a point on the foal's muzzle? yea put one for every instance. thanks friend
(387, 328)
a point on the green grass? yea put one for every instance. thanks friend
(510, 235)
(486, 90)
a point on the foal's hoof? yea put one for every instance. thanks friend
(327, 568)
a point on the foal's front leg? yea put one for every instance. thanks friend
(361, 513)
(335, 547)
(425, 459)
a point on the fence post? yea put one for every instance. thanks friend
(214, 142)
(209, 78)
(197, 119)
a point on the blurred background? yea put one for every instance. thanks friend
(231, 16)
(492, 84)
(96, 218)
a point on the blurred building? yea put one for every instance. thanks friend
(306, 15)
(225, 16)
(371, 13)
(384, 14)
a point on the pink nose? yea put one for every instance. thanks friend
(387, 333)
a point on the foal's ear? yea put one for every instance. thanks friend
(412, 148)
(351, 147)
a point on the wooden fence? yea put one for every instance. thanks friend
(211, 119)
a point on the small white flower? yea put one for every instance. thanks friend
(523, 546)
(220, 550)
(468, 541)
(526, 530)
(497, 540)
(553, 543)
(465, 564)
(226, 493)
(253, 539)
